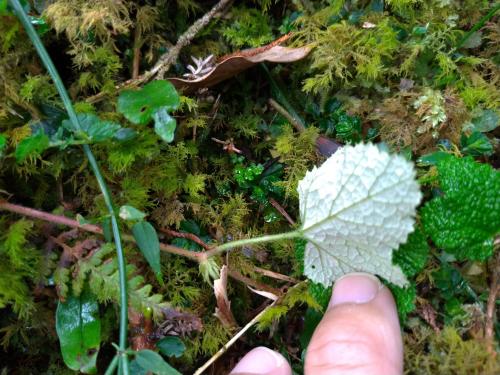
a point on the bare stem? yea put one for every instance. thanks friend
(189, 236)
(275, 275)
(136, 62)
(254, 284)
(282, 211)
(63, 220)
(251, 241)
(297, 124)
(45, 216)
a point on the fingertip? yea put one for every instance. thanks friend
(262, 361)
(357, 287)
(360, 332)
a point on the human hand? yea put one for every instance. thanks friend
(359, 334)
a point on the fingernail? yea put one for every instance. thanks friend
(260, 360)
(356, 288)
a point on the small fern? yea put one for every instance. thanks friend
(100, 270)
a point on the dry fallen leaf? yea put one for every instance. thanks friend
(263, 293)
(230, 65)
(223, 309)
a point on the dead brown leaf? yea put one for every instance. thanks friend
(231, 65)
(223, 309)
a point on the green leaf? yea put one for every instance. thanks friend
(355, 209)
(152, 361)
(81, 220)
(464, 220)
(405, 299)
(487, 121)
(412, 255)
(106, 229)
(171, 346)
(474, 40)
(3, 143)
(3, 7)
(164, 124)
(433, 158)
(131, 213)
(136, 369)
(93, 128)
(477, 144)
(449, 281)
(40, 25)
(147, 239)
(139, 106)
(78, 327)
(420, 30)
(31, 146)
(125, 134)
(190, 226)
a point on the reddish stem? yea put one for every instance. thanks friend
(282, 211)
(189, 236)
(63, 220)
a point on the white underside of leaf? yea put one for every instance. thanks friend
(355, 209)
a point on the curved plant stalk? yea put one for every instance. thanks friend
(250, 241)
(47, 61)
(112, 366)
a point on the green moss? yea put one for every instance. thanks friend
(250, 28)
(400, 78)
(447, 353)
(297, 153)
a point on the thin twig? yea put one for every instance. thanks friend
(45, 216)
(63, 220)
(167, 59)
(282, 111)
(136, 62)
(275, 275)
(491, 304)
(253, 283)
(189, 236)
(233, 340)
(281, 210)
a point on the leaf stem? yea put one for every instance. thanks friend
(47, 61)
(112, 366)
(250, 241)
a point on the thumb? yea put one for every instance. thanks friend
(262, 361)
(359, 333)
